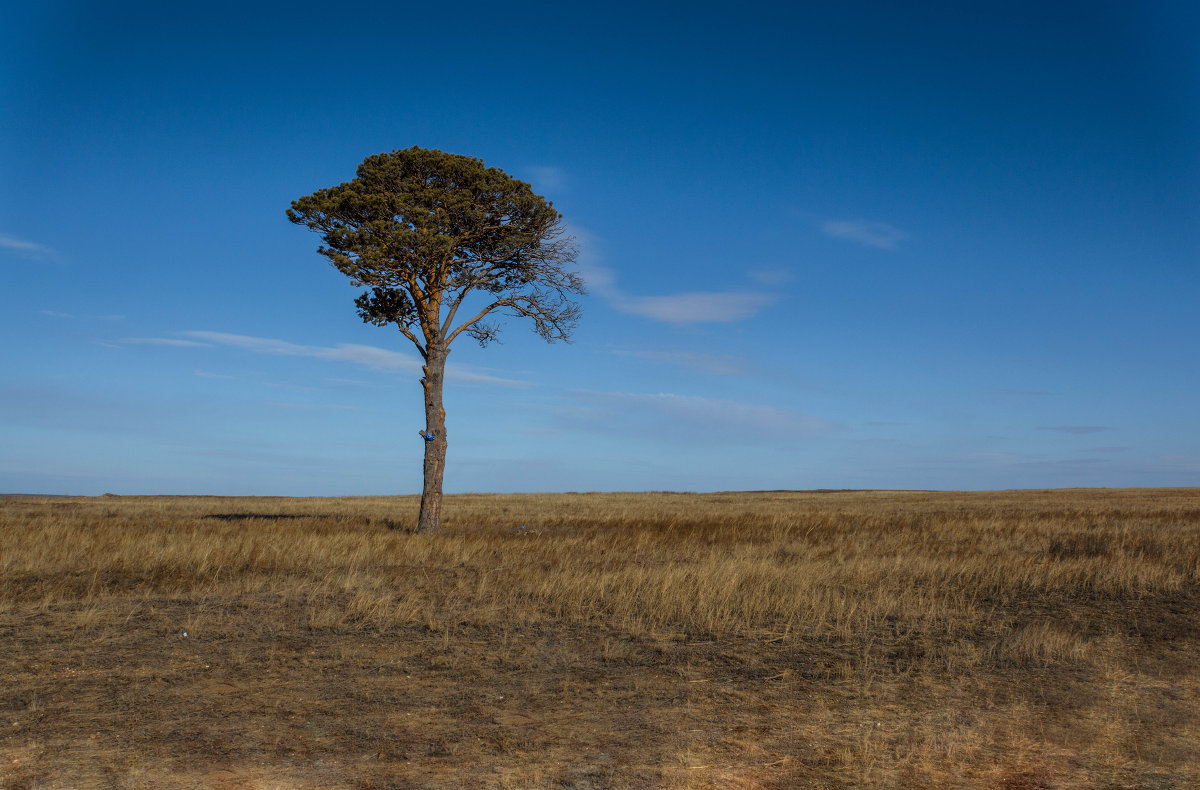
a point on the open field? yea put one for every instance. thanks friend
(1015, 640)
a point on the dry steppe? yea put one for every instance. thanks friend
(1025, 640)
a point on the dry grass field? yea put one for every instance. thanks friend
(1010, 640)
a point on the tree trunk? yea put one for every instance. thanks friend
(430, 521)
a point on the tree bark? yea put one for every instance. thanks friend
(430, 521)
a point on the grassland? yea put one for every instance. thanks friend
(1010, 640)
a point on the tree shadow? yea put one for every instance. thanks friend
(372, 521)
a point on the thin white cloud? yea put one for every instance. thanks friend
(26, 249)
(713, 364)
(879, 235)
(547, 178)
(368, 356)
(772, 278)
(73, 317)
(1074, 429)
(204, 374)
(600, 279)
(1184, 463)
(694, 307)
(287, 385)
(994, 458)
(700, 417)
(163, 341)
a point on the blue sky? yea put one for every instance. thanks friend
(843, 245)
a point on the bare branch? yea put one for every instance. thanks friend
(478, 317)
(408, 333)
(458, 300)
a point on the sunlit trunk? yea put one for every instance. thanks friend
(430, 520)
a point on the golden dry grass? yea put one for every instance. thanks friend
(1009, 640)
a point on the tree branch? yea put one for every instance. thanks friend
(458, 300)
(408, 333)
(478, 317)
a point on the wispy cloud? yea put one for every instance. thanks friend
(547, 178)
(162, 341)
(73, 317)
(693, 307)
(600, 280)
(29, 250)
(879, 235)
(693, 418)
(713, 364)
(1074, 429)
(772, 278)
(367, 356)
(1182, 463)
(204, 374)
(697, 307)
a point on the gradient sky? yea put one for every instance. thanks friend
(838, 245)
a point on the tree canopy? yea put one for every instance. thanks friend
(422, 229)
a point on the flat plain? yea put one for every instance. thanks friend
(1023, 640)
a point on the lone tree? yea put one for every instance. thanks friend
(422, 231)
